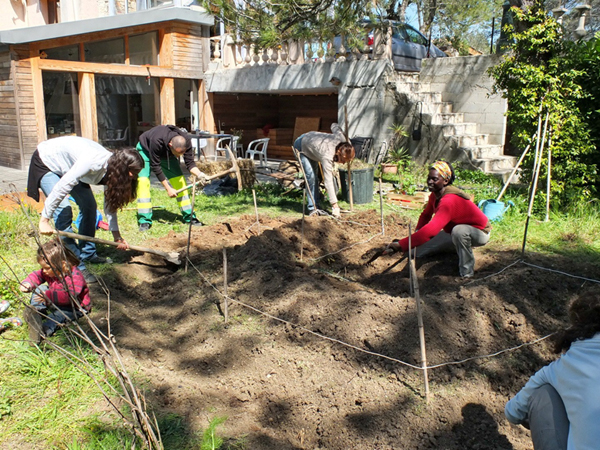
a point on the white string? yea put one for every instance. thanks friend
(558, 271)
(345, 344)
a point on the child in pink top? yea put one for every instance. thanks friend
(59, 291)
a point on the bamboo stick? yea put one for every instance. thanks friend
(256, 210)
(189, 238)
(537, 165)
(381, 206)
(302, 226)
(415, 288)
(226, 305)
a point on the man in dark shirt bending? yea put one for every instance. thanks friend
(161, 147)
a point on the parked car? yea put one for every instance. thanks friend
(409, 46)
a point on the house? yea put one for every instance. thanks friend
(104, 78)
(111, 78)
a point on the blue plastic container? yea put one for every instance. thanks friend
(494, 209)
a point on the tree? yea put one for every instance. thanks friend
(541, 76)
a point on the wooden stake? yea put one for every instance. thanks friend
(256, 209)
(350, 193)
(536, 169)
(350, 185)
(302, 226)
(187, 251)
(381, 206)
(226, 305)
(415, 288)
(549, 177)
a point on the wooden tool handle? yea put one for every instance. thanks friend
(114, 244)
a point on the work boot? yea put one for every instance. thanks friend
(88, 276)
(196, 223)
(98, 260)
(144, 227)
(34, 322)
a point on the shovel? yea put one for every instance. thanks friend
(172, 257)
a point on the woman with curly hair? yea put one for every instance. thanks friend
(560, 404)
(67, 166)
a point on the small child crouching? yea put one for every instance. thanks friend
(59, 291)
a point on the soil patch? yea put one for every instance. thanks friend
(283, 386)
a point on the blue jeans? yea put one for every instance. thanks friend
(56, 315)
(548, 419)
(311, 170)
(63, 216)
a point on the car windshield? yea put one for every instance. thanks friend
(415, 36)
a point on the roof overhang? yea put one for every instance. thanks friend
(193, 15)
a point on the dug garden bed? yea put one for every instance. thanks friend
(313, 355)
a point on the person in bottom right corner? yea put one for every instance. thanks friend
(450, 221)
(560, 404)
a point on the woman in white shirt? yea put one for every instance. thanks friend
(561, 402)
(66, 166)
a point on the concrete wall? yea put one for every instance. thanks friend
(377, 97)
(19, 14)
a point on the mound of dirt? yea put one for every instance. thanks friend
(319, 347)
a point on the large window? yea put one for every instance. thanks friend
(143, 49)
(61, 103)
(126, 107)
(109, 51)
(68, 53)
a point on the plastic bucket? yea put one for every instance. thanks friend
(362, 185)
(494, 209)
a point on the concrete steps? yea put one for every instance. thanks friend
(463, 139)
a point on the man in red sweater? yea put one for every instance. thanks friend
(449, 221)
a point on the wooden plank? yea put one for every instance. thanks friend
(417, 201)
(118, 69)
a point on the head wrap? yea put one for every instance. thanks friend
(443, 169)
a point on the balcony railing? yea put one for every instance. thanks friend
(231, 54)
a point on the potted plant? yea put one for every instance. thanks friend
(397, 152)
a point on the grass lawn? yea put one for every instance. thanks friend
(41, 391)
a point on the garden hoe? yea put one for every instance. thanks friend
(172, 257)
(381, 252)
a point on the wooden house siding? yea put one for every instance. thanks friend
(10, 153)
(188, 47)
(25, 107)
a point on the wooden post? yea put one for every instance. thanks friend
(415, 287)
(536, 170)
(350, 193)
(256, 210)
(226, 304)
(187, 252)
(167, 101)
(549, 178)
(302, 226)
(87, 106)
(381, 206)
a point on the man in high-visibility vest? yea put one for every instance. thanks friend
(161, 147)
